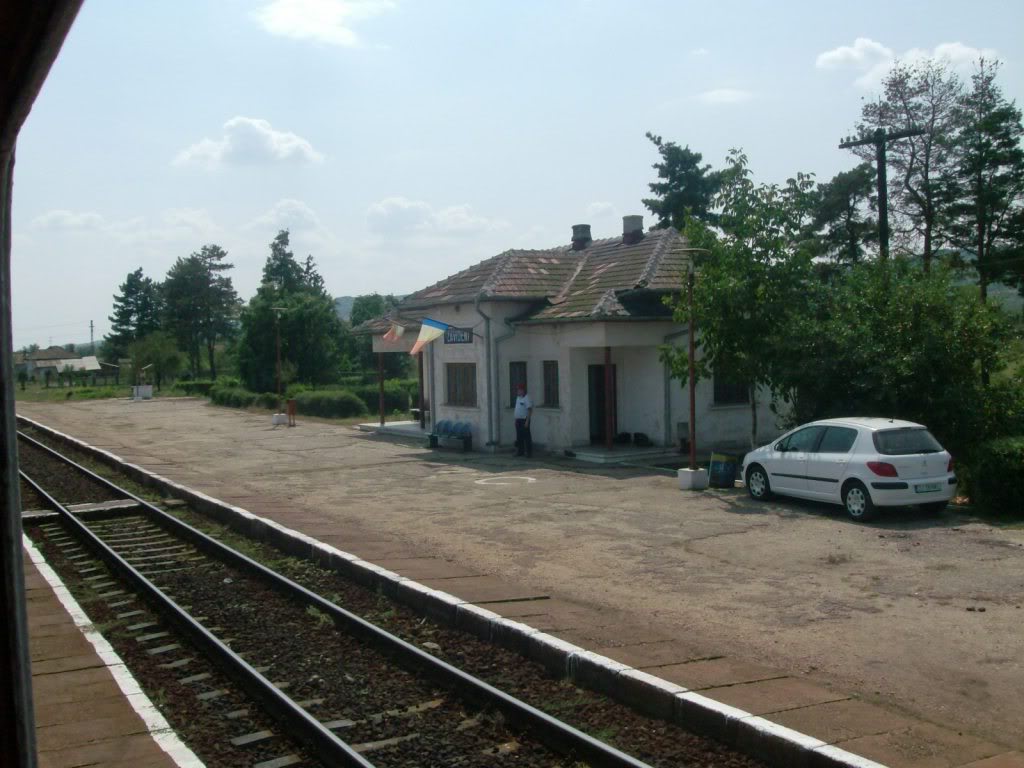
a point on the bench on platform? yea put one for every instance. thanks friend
(452, 431)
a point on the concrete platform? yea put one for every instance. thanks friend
(610, 559)
(88, 710)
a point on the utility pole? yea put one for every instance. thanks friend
(92, 344)
(277, 328)
(880, 138)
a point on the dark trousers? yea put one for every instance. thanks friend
(524, 440)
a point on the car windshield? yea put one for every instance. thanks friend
(907, 440)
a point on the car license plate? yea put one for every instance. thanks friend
(927, 487)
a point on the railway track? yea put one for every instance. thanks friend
(323, 686)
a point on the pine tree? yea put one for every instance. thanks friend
(687, 189)
(137, 311)
(986, 213)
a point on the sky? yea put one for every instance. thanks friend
(401, 141)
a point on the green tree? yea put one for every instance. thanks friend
(283, 271)
(888, 339)
(988, 179)
(201, 304)
(750, 281)
(158, 354)
(137, 312)
(686, 188)
(292, 301)
(923, 95)
(842, 224)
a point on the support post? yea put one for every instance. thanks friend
(17, 723)
(423, 410)
(277, 335)
(380, 385)
(609, 400)
(693, 374)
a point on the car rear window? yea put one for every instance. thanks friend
(907, 440)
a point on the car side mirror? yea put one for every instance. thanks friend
(781, 448)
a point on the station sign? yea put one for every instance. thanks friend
(453, 335)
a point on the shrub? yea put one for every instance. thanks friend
(331, 404)
(411, 387)
(233, 397)
(998, 477)
(395, 397)
(198, 387)
(228, 381)
(294, 390)
(267, 400)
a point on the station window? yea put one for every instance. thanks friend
(729, 391)
(551, 383)
(461, 384)
(516, 377)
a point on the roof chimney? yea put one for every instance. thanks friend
(581, 236)
(632, 229)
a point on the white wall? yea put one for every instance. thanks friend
(640, 384)
(719, 427)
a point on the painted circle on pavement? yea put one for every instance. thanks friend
(505, 480)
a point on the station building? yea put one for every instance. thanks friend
(582, 325)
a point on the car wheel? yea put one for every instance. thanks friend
(858, 502)
(757, 483)
(934, 507)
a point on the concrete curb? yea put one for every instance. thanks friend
(746, 732)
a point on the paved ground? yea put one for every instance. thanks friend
(901, 640)
(82, 717)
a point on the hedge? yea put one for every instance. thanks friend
(331, 404)
(233, 397)
(396, 398)
(998, 477)
(197, 387)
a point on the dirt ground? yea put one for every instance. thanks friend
(922, 614)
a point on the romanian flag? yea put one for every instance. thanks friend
(395, 333)
(430, 330)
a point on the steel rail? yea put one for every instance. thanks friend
(547, 729)
(305, 728)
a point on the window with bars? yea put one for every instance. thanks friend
(550, 383)
(728, 391)
(461, 383)
(516, 378)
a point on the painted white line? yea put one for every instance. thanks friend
(162, 733)
(505, 480)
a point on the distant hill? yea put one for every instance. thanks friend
(343, 306)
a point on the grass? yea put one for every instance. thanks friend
(37, 393)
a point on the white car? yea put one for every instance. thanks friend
(860, 463)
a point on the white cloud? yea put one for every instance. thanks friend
(249, 141)
(725, 96)
(699, 52)
(175, 225)
(864, 54)
(402, 217)
(323, 21)
(874, 60)
(63, 221)
(288, 213)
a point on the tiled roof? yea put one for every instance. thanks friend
(52, 353)
(381, 325)
(574, 285)
(514, 274)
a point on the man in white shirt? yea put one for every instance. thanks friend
(523, 412)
